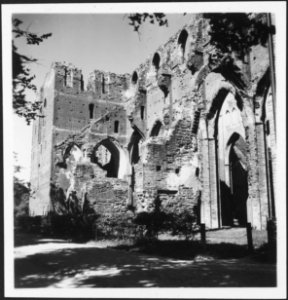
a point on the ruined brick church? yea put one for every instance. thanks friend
(191, 126)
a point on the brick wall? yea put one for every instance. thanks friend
(178, 102)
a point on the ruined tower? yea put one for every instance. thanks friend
(192, 127)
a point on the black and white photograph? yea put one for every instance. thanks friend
(144, 150)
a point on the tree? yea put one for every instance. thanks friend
(22, 77)
(238, 31)
(228, 31)
(136, 20)
(21, 193)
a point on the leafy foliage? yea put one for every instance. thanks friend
(176, 221)
(115, 226)
(21, 192)
(136, 20)
(228, 31)
(22, 77)
(237, 31)
(21, 198)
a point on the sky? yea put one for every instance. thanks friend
(88, 41)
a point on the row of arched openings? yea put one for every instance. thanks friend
(156, 60)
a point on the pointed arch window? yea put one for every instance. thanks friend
(182, 43)
(134, 78)
(156, 61)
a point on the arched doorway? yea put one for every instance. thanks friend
(231, 163)
(134, 159)
(234, 184)
(133, 146)
(238, 183)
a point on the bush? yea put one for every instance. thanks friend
(76, 225)
(116, 226)
(183, 224)
(150, 224)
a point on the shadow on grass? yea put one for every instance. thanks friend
(94, 267)
(190, 249)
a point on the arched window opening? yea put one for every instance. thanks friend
(142, 112)
(197, 171)
(107, 156)
(133, 147)
(69, 78)
(116, 126)
(45, 102)
(135, 78)
(182, 42)
(91, 109)
(156, 129)
(156, 61)
(103, 84)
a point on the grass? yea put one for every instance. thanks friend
(220, 244)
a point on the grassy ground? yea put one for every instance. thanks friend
(220, 244)
(49, 262)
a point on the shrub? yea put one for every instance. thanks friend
(183, 223)
(116, 226)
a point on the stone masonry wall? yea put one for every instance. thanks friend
(163, 131)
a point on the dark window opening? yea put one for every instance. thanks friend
(103, 84)
(116, 126)
(197, 172)
(158, 168)
(142, 112)
(65, 78)
(156, 61)
(45, 102)
(270, 179)
(82, 84)
(156, 129)
(234, 194)
(134, 78)
(267, 127)
(182, 41)
(91, 108)
(133, 147)
(177, 170)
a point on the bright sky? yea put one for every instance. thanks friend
(96, 41)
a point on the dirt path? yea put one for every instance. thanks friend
(68, 265)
